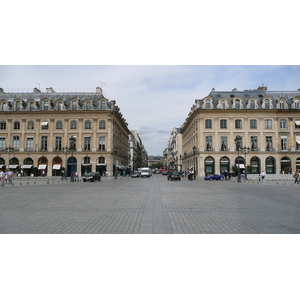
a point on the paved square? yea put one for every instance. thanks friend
(149, 206)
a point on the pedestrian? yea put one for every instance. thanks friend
(296, 176)
(9, 176)
(225, 174)
(1, 175)
(258, 178)
(263, 175)
(43, 173)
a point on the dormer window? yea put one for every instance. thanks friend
(74, 105)
(267, 104)
(207, 104)
(18, 105)
(252, 104)
(238, 104)
(46, 105)
(102, 104)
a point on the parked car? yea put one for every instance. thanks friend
(214, 177)
(135, 174)
(174, 176)
(164, 172)
(92, 176)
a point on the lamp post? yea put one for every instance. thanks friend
(238, 141)
(9, 150)
(180, 158)
(72, 146)
(65, 150)
(245, 150)
(194, 151)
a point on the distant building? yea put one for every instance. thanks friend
(268, 123)
(53, 131)
(154, 159)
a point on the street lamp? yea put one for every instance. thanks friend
(72, 146)
(245, 151)
(238, 141)
(9, 150)
(194, 151)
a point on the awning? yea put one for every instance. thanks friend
(242, 166)
(56, 167)
(42, 167)
(44, 123)
(297, 123)
(86, 165)
(26, 166)
(12, 166)
(101, 164)
(298, 139)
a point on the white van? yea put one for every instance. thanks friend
(145, 172)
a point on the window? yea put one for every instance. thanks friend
(237, 104)
(252, 104)
(44, 143)
(102, 104)
(268, 124)
(17, 125)
(73, 125)
(87, 143)
(58, 125)
(254, 143)
(297, 124)
(4, 106)
(29, 144)
(297, 106)
(86, 160)
(269, 143)
(2, 125)
(74, 105)
(44, 125)
(223, 104)
(102, 125)
(207, 104)
(87, 125)
(253, 124)
(284, 143)
(60, 106)
(18, 105)
(267, 104)
(102, 143)
(281, 105)
(88, 105)
(31, 106)
(238, 124)
(208, 124)
(58, 143)
(223, 143)
(16, 142)
(208, 143)
(282, 124)
(30, 125)
(46, 105)
(2, 142)
(223, 124)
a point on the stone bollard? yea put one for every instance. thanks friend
(47, 181)
(27, 182)
(35, 182)
(20, 183)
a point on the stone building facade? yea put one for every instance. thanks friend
(55, 131)
(267, 122)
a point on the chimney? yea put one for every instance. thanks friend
(98, 90)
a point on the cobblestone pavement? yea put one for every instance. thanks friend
(149, 206)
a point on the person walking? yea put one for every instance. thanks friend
(296, 176)
(263, 175)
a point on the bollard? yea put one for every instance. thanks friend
(12, 184)
(20, 183)
(47, 181)
(35, 182)
(27, 182)
(277, 183)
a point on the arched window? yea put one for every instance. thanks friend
(101, 160)
(223, 104)
(286, 167)
(102, 104)
(238, 104)
(209, 165)
(88, 105)
(252, 104)
(255, 165)
(4, 106)
(224, 165)
(267, 104)
(31, 106)
(207, 104)
(74, 105)
(46, 105)
(60, 106)
(18, 105)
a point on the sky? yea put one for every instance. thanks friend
(152, 98)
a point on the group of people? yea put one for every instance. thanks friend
(6, 176)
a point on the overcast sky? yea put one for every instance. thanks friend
(153, 99)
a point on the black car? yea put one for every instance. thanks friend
(174, 176)
(92, 176)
